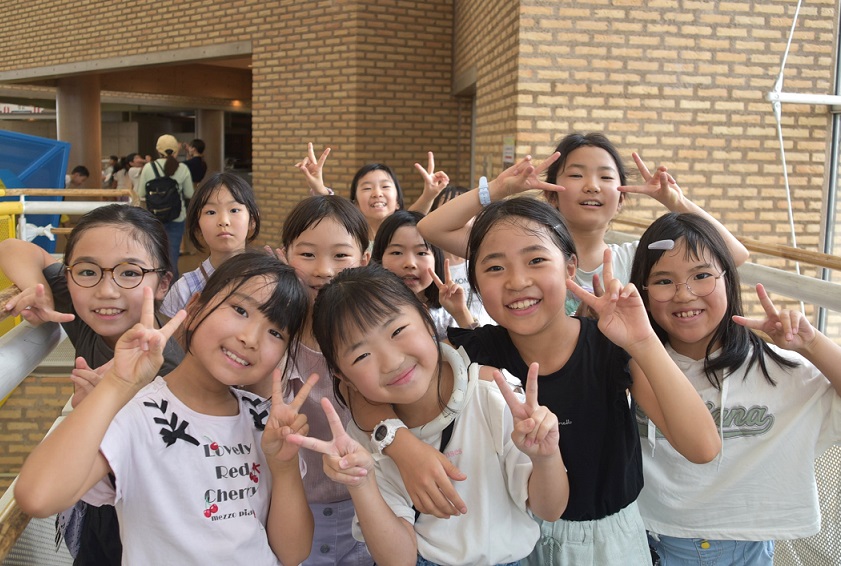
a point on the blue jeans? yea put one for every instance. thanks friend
(674, 551)
(424, 562)
(175, 231)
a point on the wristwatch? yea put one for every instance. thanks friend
(384, 433)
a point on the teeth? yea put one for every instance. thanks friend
(378, 205)
(519, 305)
(234, 357)
(591, 203)
(108, 312)
(688, 314)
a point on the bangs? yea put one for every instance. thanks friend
(366, 309)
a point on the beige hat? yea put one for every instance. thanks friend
(166, 143)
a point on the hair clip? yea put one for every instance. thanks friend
(662, 245)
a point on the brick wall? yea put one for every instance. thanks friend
(26, 417)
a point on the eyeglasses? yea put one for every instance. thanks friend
(125, 275)
(702, 284)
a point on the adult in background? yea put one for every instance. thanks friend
(196, 163)
(167, 146)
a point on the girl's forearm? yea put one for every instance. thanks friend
(67, 463)
(667, 396)
(548, 488)
(825, 355)
(24, 263)
(289, 525)
(737, 249)
(446, 227)
(390, 540)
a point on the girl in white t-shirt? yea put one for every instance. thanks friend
(380, 344)
(777, 406)
(195, 475)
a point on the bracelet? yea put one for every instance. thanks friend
(484, 192)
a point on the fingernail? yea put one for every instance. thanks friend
(343, 464)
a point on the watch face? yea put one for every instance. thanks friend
(380, 432)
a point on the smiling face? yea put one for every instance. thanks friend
(689, 320)
(591, 198)
(235, 342)
(107, 308)
(393, 362)
(224, 225)
(408, 256)
(321, 251)
(376, 196)
(521, 274)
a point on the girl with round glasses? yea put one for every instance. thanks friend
(777, 406)
(112, 255)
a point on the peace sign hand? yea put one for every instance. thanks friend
(433, 181)
(535, 427)
(452, 296)
(788, 329)
(313, 170)
(620, 310)
(661, 186)
(345, 460)
(35, 305)
(523, 176)
(138, 354)
(285, 420)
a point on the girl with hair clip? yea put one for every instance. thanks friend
(521, 260)
(401, 249)
(97, 295)
(196, 474)
(777, 406)
(374, 188)
(322, 236)
(167, 164)
(222, 218)
(380, 344)
(590, 169)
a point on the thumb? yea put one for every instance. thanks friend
(454, 473)
(81, 363)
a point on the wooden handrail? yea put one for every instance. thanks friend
(13, 521)
(778, 250)
(5, 295)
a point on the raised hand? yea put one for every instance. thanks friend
(620, 310)
(788, 329)
(345, 460)
(523, 176)
(285, 420)
(277, 253)
(535, 427)
(433, 181)
(660, 186)
(313, 170)
(452, 296)
(36, 306)
(138, 354)
(85, 378)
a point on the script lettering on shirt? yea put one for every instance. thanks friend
(222, 450)
(738, 421)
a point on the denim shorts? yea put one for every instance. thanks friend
(674, 551)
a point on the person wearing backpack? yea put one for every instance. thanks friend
(167, 186)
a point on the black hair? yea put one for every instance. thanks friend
(198, 144)
(359, 299)
(388, 228)
(573, 141)
(141, 224)
(310, 211)
(239, 189)
(81, 170)
(518, 210)
(702, 241)
(287, 306)
(365, 169)
(446, 195)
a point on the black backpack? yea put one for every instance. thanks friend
(162, 196)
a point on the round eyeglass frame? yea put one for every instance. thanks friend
(102, 270)
(688, 288)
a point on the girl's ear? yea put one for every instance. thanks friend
(163, 286)
(551, 197)
(251, 225)
(572, 265)
(366, 259)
